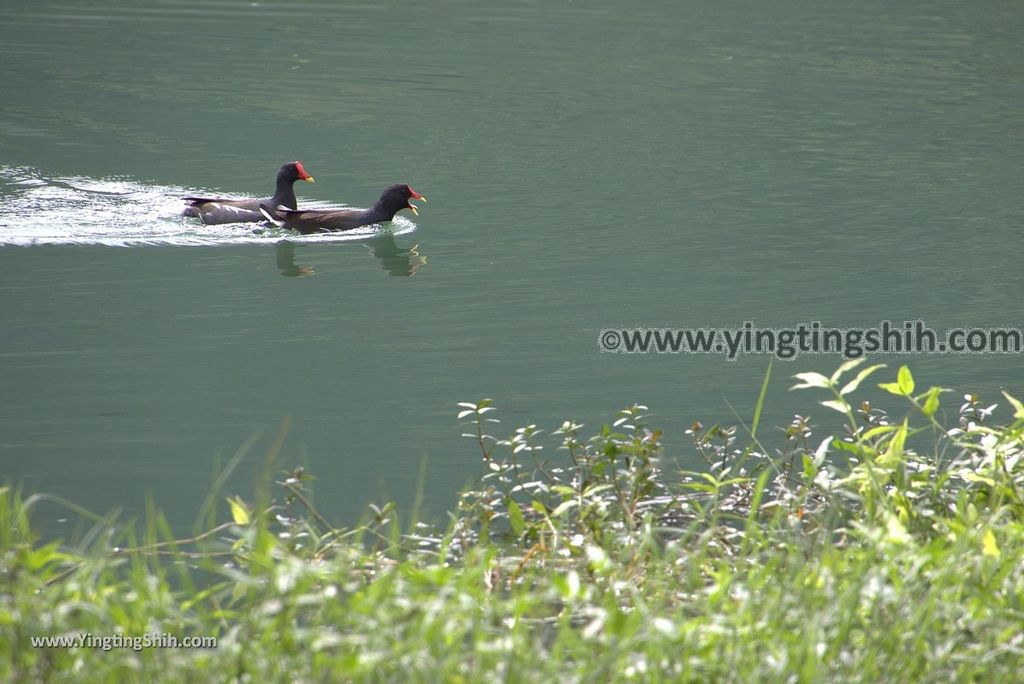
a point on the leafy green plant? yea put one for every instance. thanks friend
(891, 550)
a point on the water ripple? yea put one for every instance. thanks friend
(123, 212)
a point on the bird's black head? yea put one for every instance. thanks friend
(396, 197)
(293, 171)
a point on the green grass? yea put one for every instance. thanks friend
(891, 551)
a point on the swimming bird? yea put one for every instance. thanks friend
(212, 210)
(307, 221)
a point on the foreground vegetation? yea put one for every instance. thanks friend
(890, 551)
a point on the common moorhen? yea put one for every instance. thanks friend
(215, 210)
(307, 221)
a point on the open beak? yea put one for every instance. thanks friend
(415, 195)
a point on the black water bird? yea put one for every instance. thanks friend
(213, 210)
(308, 221)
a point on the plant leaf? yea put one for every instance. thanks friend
(239, 513)
(895, 532)
(853, 384)
(836, 405)
(891, 388)
(989, 546)
(810, 379)
(563, 507)
(821, 451)
(760, 400)
(849, 365)
(880, 430)
(931, 404)
(905, 381)
(894, 452)
(1018, 407)
(515, 517)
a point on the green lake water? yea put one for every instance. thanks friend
(587, 165)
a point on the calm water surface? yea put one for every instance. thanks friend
(587, 165)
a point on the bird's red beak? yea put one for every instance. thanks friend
(302, 173)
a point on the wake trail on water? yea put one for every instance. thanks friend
(121, 212)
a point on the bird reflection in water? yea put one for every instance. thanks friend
(395, 260)
(286, 266)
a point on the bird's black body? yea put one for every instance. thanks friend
(308, 221)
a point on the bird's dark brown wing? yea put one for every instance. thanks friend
(215, 210)
(308, 221)
(245, 203)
